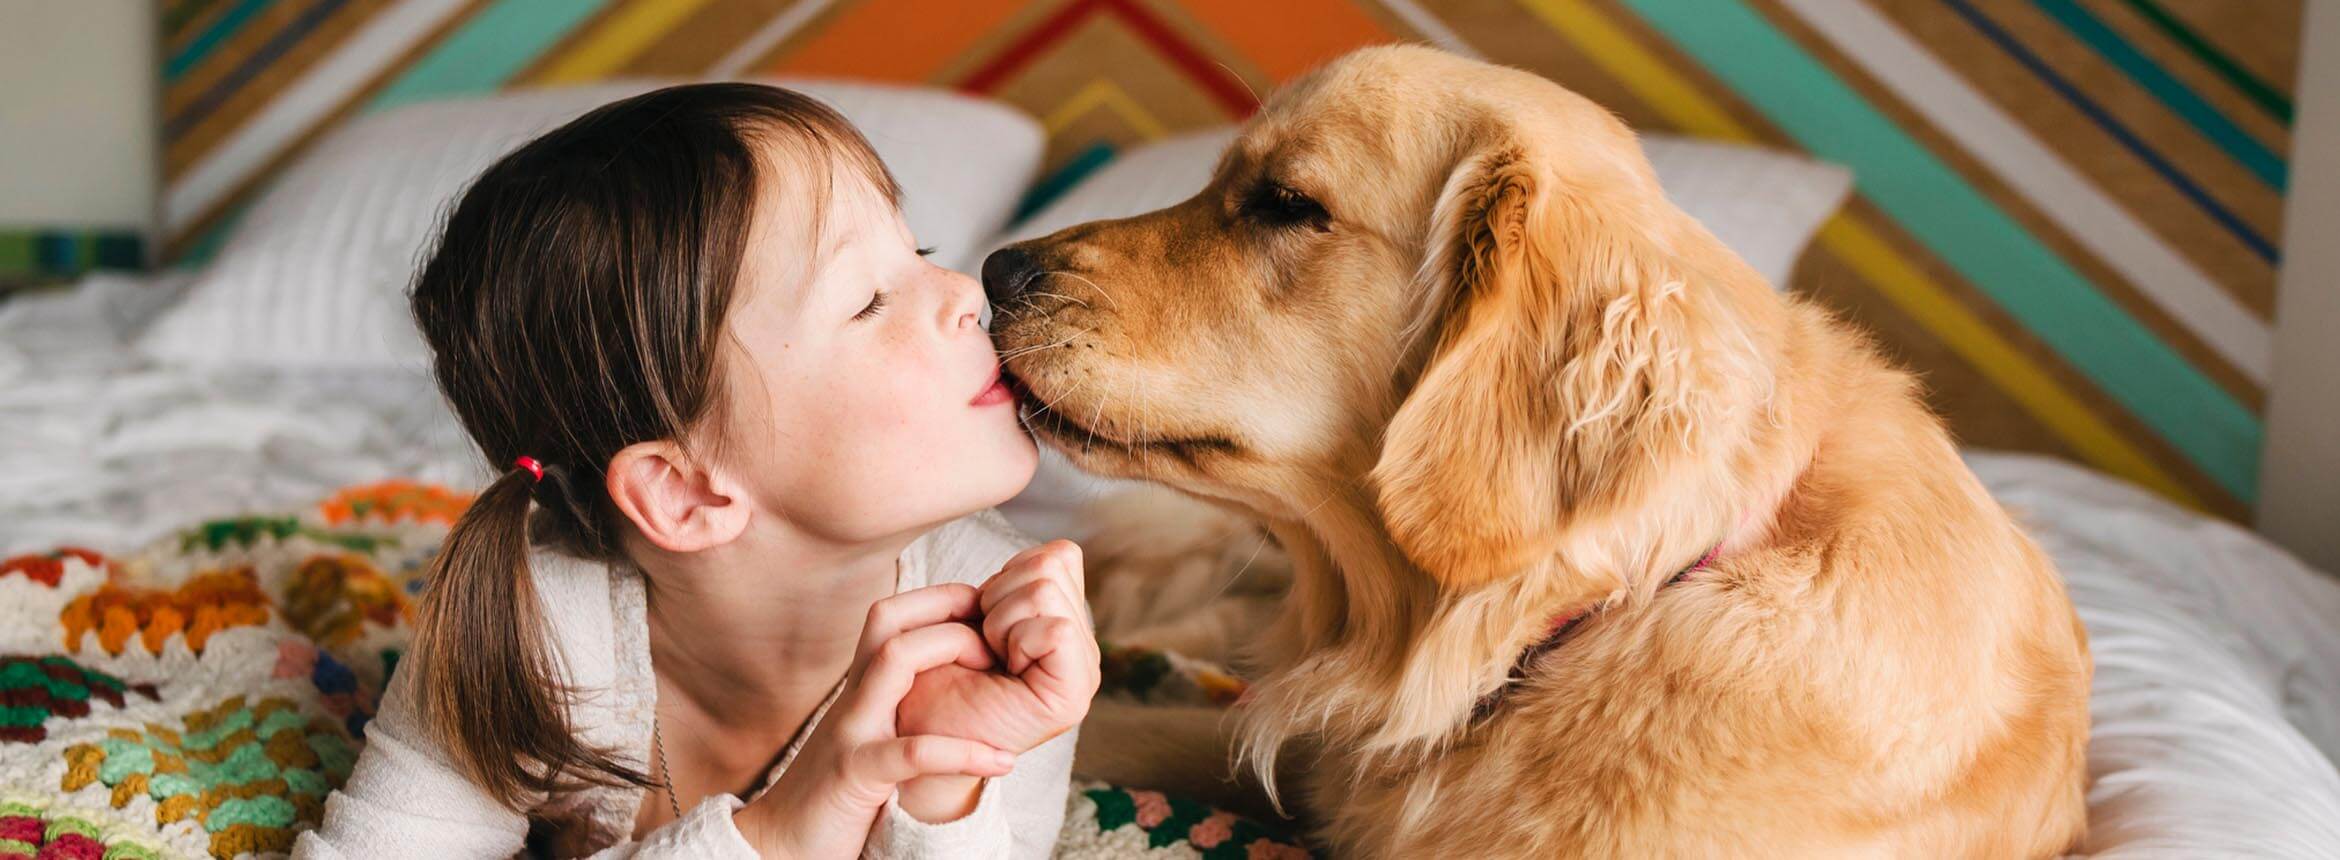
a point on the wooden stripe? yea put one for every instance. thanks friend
(240, 105)
(1685, 107)
(2225, 218)
(1025, 48)
(2033, 170)
(210, 37)
(223, 59)
(1103, 93)
(2204, 80)
(2001, 362)
(616, 40)
(895, 40)
(487, 50)
(296, 111)
(2172, 93)
(2116, 288)
(2027, 97)
(2099, 158)
(269, 52)
(2266, 97)
(1430, 28)
(1973, 235)
(1222, 85)
(692, 45)
(751, 52)
(1288, 37)
(184, 22)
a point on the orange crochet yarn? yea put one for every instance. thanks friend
(331, 597)
(395, 500)
(48, 568)
(205, 604)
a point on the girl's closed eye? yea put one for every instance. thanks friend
(877, 304)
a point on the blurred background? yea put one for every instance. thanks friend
(2069, 215)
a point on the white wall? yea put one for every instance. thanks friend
(2299, 484)
(78, 113)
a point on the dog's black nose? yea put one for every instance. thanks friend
(1007, 272)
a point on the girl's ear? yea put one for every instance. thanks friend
(677, 504)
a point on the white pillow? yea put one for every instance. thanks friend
(316, 274)
(1762, 203)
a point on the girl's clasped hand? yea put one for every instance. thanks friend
(949, 684)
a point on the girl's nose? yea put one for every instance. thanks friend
(965, 304)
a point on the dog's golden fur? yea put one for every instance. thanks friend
(1435, 325)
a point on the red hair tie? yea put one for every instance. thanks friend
(533, 467)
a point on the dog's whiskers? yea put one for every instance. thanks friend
(1091, 426)
(1264, 540)
(1046, 346)
(1092, 285)
(1046, 405)
(1054, 296)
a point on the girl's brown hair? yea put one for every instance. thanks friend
(575, 305)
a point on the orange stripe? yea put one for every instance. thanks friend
(1287, 37)
(896, 40)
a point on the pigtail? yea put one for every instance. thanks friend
(490, 691)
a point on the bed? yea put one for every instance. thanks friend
(134, 406)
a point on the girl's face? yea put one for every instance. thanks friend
(865, 400)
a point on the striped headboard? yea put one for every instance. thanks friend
(2067, 210)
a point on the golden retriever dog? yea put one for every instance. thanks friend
(1599, 544)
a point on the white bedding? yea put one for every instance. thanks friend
(2217, 699)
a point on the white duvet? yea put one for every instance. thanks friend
(2217, 698)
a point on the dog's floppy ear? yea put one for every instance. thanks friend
(1549, 368)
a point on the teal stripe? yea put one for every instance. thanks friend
(2275, 103)
(226, 25)
(1054, 185)
(181, 13)
(1971, 234)
(487, 50)
(2171, 92)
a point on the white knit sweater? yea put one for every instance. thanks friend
(407, 799)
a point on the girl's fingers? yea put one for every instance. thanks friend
(1061, 657)
(1040, 597)
(882, 765)
(895, 663)
(918, 607)
(1057, 561)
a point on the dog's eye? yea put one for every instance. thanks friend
(1279, 205)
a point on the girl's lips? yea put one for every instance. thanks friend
(994, 394)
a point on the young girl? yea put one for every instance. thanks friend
(739, 592)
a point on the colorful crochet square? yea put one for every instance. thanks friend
(246, 532)
(48, 568)
(338, 688)
(205, 604)
(394, 501)
(30, 833)
(1217, 834)
(34, 690)
(332, 598)
(252, 776)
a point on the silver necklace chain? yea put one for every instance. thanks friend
(665, 773)
(658, 743)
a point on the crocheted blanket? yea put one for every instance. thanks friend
(202, 695)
